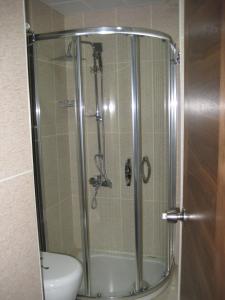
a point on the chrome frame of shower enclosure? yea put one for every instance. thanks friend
(137, 158)
(133, 33)
(79, 116)
(36, 137)
(173, 57)
(104, 30)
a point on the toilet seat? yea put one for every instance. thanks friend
(62, 276)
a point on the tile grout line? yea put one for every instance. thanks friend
(15, 176)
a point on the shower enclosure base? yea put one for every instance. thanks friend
(113, 276)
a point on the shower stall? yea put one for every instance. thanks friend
(103, 107)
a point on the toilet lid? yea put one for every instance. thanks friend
(58, 268)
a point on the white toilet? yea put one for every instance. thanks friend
(62, 276)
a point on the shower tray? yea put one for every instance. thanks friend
(113, 275)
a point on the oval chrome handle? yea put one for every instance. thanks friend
(146, 177)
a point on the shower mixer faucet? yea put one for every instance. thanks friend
(101, 179)
(97, 181)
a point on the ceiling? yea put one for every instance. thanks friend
(68, 7)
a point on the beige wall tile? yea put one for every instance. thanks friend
(61, 95)
(45, 51)
(139, 16)
(70, 81)
(123, 49)
(53, 228)
(20, 263)
(76, 223)
(46, 95)
(148, 227)
(159, 96)
(59, 51)
(61, 119)
(15, 152)
(105, 231)
(147, 97)
(124, 82)
(146, 45)
(128, 226)
(75, 21)
(160, 168)
(67, 216)
(165, 18)
(58, 21)
(125, 116)
(50, 171)
(159, 50)
(63, 156)
(40, 16)
(100, 18)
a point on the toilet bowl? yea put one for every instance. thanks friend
(62, 276)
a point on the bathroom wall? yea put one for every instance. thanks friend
(54, 138)
(20, 276)
(112, 223)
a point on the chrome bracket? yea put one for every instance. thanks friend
(175, 215)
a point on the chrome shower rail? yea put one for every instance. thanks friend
(103, 30)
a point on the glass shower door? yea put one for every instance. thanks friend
(107, 102)
(155, 88)
(54, 136)
(127, 238)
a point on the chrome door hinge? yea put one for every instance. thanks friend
(174, 215)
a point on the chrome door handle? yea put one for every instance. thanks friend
(175, 215)
(146, 177)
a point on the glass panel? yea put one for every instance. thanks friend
(108, 147)
(55, 89)
(154, 93)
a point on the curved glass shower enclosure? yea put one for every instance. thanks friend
(104, 140)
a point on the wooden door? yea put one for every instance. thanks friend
(203, 255)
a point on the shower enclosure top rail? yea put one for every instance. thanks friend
(103, 30)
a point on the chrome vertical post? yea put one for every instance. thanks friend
(36, 137)
(172, 144)
(137, 157)
(82, 163)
